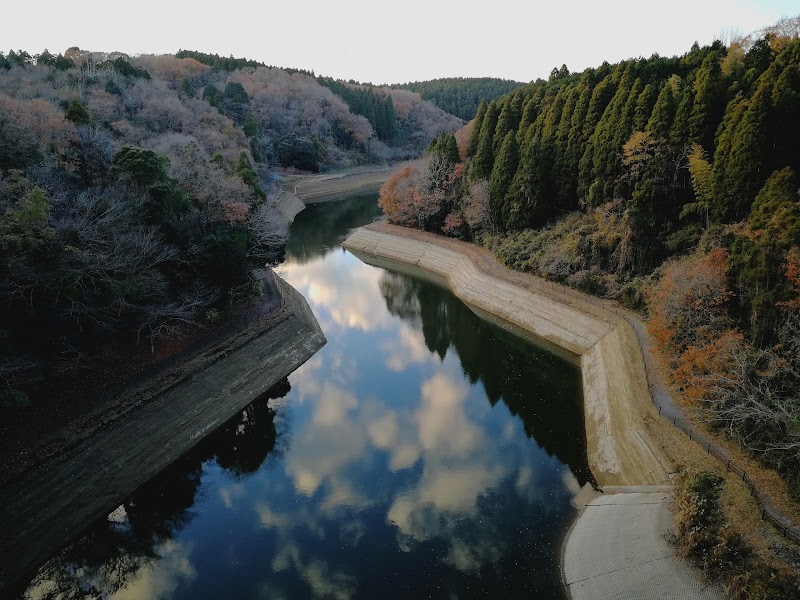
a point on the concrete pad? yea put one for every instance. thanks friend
(618, 549)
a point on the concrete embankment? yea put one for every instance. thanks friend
(621, 452)
(619, 548)
(56, 501)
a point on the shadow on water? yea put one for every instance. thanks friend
(115, 550)
(319, 228)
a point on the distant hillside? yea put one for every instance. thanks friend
(460, 96)
(137, 193)
(229, 63)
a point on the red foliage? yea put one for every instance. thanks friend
(698, 368)
(688, 306)
(793, 275)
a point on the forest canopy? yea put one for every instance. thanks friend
(460, 96)
(138, 194)
(668, 183)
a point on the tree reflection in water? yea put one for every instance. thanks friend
(551, 411)
(115, 551)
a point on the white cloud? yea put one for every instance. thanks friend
(160, 577)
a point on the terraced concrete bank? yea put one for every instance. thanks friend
(55, 502)
(617, 548)
(621, 451)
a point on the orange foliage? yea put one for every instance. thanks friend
(40, 121)
(688, 305)
(697, 366)
(793, 275)
(395, 190)
(462, 138)
(235, 211)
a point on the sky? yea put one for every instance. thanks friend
(391, 42)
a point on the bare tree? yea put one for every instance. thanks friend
(476, 208)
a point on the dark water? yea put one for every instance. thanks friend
(422, 453)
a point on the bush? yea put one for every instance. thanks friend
(298, 152)
(705, 536)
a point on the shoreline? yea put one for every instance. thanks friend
(326, 187)
(57, 499)
(621, 451)
(616, 545)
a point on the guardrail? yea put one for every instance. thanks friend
(674, 414)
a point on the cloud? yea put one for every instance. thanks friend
(160, 577)
(407, 349)
(341, 297)
(323, 581)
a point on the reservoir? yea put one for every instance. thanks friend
(421, 453)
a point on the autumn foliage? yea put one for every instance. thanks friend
(688, 305)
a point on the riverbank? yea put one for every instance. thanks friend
(617, 546)
(145, 428)
(311, 189)
(635, 522)
(621, 449)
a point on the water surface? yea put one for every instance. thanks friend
(422, 453)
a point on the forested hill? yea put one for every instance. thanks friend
(230, 63)
(460, 96)
(670, 183)
(137, 193)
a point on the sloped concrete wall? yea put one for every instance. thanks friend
(616, 400)
(54, 503)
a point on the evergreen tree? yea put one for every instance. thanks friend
(481, 166)
(391, 118)
(679, 133)
(502, 174)
(244, 169)
(451, 149)
(508, 120)
(663, 113)
(745, 164)
(723, 192)
(476, 129)
(77, 113)
(708, 101)
(528, 201)
(644, 106)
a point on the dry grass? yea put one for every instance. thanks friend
(739, 506)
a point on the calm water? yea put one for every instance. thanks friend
(422, 453)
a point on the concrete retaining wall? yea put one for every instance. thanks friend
(616, 399)
(58, 500)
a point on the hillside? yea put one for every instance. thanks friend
(669, 184)
(460, 96)
(138, 193)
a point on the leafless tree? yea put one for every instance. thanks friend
(476, 208)
(269, 230)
